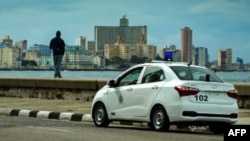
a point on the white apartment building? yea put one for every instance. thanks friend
(10, 56)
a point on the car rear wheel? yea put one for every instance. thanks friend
(159, 119)
(100, 116)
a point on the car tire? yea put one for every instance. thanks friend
(218, 128)
(100, 116)
(159, 120)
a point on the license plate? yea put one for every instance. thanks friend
(200, 98)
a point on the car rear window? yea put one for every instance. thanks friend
(195, 74)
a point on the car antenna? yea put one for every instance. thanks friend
(190, 62)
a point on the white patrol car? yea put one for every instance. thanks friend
(164, 94)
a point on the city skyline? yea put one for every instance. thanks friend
(216, 25)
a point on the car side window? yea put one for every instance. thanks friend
(153, 74)
(130, 78)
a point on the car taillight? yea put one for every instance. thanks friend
(186, 91)
(233, 94)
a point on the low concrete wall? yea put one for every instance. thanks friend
(76, 89)
(243, 94)
(52, 83)
(243, 88)
(50, 88)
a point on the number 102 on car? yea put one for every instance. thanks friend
(201, 98)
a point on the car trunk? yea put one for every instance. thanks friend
(212, 92)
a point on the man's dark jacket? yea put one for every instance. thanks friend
(58, 46)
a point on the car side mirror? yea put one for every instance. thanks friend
(111, 83)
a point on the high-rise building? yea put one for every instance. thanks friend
(186, 45)
(91, 46)
(240, 63)
(127, 34)
(225, 59)
(22, 44)
(81, 41)
(201, 56)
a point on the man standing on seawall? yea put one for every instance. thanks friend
(58, 46)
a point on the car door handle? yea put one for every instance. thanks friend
(129, 89)
(155, 87)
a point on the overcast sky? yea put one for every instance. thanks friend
(216, 24)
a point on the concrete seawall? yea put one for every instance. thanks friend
(77, 89)
(47, 88)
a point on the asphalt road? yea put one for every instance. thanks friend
(34, 129)
(21, 128)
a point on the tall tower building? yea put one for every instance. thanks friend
(81, 41)
(22, 44)
(225, 59)
(186, 45)
(128, 34)
(91, 46)
(201, 56)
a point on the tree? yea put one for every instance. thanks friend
(29, 63)
(158, 57)
(117, 60)
(137, 60)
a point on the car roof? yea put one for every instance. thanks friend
(168, 63)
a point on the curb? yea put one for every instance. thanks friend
(75, 116)
(47, 115)
(58, 116)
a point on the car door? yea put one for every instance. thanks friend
(121, 97)
(151, 83)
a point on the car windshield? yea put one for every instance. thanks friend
(195, 74)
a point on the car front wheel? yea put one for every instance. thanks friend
(100, 116)
(159, 119)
